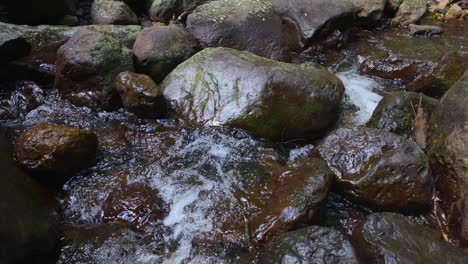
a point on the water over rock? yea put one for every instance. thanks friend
(270, 99)
(313, 244)
(379, 167)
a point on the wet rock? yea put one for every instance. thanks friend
(270, 99)
(12, 45)
(415, 75)
(165, 10)
(317, 18)
(295, 193)
(87, 66)
(112, 12)
(39, 12)
(141, 95)
(55, 149)
(28, 223)
(392, 238)
(395, 112)
(410, 11)
(136, 204)
(426, 30)
(449, 150)
(158, 50)
(309, 245)
(45, 40)
(378, 167)
(243, 25)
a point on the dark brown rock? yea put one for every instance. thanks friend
(55, 149)
(379, 167)
(141, 95)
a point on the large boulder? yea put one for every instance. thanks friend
(158, 50)
(243, 25)
(397, 112)
(87, 66)
(39, 12)
(392, 238)
(28, 226)
(449, 150)
(272, 100)
(141, 95)
(379, 167)
(314, 244)
(112, 12)
(55, 149)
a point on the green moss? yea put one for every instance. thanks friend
(313, 107)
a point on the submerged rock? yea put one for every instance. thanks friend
(28, 223)
(396, 112)
(135, 204)
(112, 12)
(392, 238)
(55, 149)
(243, 25)
(379, 167)
(158, 50)
(314, 244)
(449, 150)
(270, 99)
(141, 95)
(87, 66)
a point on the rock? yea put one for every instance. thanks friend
(39, 12)
(45, 40)
(136, 204)
(165, 10)
(426, 30)
(395, 113)
(55, 149)
(314, 244)
(243, 25)
(12, 45)
(272, 100)
(295, 193)
(28, 224)
(454, 12)
(410, 11)
(379, 167)
(87, 66)
(158, 50)
(415, 75)
(370, 11)
(112, 12)
(449, 150)
(140, 94)
(317, 18)
(393, 5)
(392, 238)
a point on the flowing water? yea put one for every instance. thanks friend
(198, 174)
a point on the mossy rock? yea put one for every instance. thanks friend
(270, 99)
